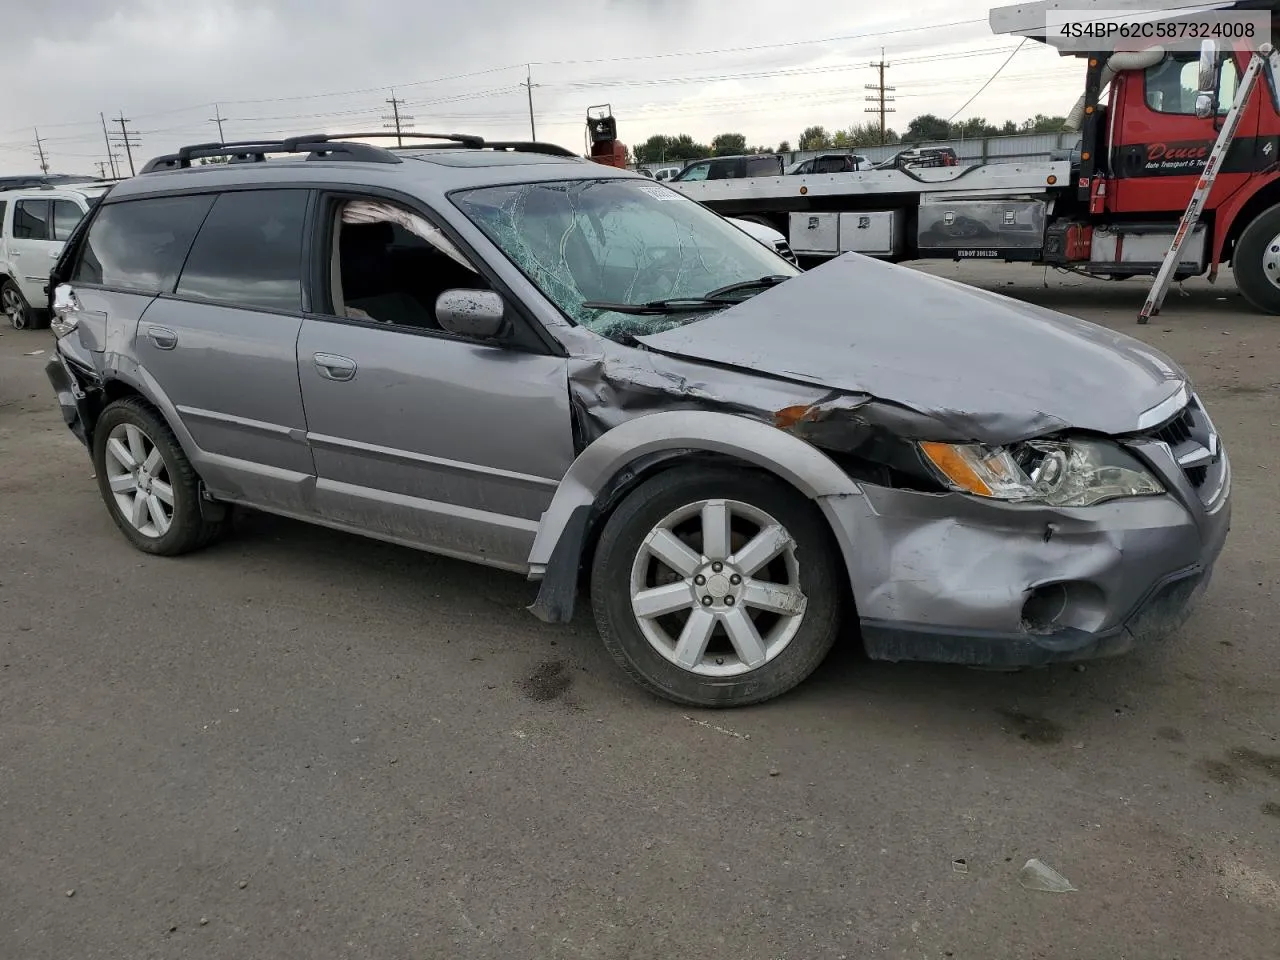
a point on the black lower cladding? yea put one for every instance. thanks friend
(1163, 611)
(72, 399)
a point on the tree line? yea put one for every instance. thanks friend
(926, 128)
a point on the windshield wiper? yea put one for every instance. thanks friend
(761, 282)
(659, 307)
(720, 297)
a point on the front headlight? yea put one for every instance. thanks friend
(1073, 473)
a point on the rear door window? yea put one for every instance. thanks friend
(139, 245)
(31, 220)
(763, 166)
(66, 214)
(4, 208)
(724, 170)
(249, 251)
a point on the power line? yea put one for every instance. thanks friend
(767, 74)
(766, 46)
(989, 81)
(492, 70)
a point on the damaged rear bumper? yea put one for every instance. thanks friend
(953, 579)
(73, 401)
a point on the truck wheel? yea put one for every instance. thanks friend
(716, 588)
(1256, 262)
(15, 306)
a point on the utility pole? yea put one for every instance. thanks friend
(127, 137)
(397, 121)
(102, 169)
(528, 86)
(106, 138)
(879, 96)
(44, 162)
(217, 118)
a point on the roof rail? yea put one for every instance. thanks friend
(338, 146)
(530, 146)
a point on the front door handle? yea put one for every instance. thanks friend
(333, 367)
(162, 337)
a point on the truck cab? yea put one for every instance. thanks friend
(1149, 120)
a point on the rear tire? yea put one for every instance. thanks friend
(1256, 262)
(716, 587)
(149, 486)
(15, 306)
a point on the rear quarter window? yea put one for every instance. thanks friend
(140, 245)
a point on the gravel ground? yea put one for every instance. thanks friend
(304, 744)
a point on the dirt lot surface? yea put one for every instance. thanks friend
(301, 744)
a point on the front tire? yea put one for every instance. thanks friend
(716, 587)
(1256, 262)
(149, 486)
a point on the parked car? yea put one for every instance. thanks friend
(503, 354)
(731, 168)
(665, 173)
(20, 182)
(34, 224)
(770, 237)
(829, 163)
(920, 157)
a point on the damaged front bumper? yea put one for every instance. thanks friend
(957, 579)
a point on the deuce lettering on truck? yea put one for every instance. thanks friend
(1180, 157)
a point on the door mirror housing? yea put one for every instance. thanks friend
(479, 314)
(1207, 80)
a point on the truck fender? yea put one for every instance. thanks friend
(1234, 215)
(562, 531)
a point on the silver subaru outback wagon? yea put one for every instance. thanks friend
(506, 354)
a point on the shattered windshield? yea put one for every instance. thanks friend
(619, 242)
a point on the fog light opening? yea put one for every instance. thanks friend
(1044, 608)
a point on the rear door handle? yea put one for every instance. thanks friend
(333, 367)
(162, 337)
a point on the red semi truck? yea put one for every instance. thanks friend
(1110, 209)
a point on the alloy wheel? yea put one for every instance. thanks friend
(14, 308)
(715, 588)
(139, 480)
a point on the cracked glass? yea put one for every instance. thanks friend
(618, 241)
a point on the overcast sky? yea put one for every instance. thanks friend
(759, 67)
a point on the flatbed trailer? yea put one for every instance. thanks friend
(1111, 211)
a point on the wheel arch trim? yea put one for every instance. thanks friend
(562, 531)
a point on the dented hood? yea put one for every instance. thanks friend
(980, 364)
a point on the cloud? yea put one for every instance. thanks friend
(290, 66)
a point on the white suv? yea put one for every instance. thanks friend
(34, 224)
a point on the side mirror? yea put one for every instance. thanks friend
(1207, 80)
(479, 314)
